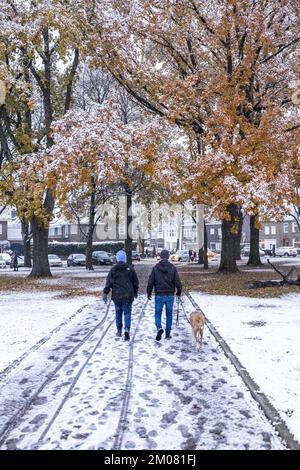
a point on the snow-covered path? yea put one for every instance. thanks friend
(179, 398)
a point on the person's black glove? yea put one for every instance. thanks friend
(104, 297)
(149, 297)
(178, 294)
(135, 296)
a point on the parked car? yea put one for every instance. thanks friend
(212, 256)
(6, 257)
(76, 259)
(245, 251)
(112, 257)
(136, 256)
(180, 255)
(2, 262)
(286, 251)
(54, 260)
(101, 257)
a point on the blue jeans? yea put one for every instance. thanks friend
(160, 301)
(123, 307)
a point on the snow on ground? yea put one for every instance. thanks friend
(77, 271)
(26, 318)
(264, 334)
(180, 398)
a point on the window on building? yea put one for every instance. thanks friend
(219, 232)
(286, 227)
(0, 229)
(267, 230)
(74, 229)
(56, 231)
(295, 227)
(122, 229)
(273, 230)
(212, 231)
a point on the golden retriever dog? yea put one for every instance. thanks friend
(197, 320)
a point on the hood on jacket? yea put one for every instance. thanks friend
(164, 266)
(121, 265)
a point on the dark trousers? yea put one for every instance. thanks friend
(123, 308)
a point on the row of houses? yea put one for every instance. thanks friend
(168, 231)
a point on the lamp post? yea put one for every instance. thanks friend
(2, 92)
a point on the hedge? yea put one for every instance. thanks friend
(68, 248)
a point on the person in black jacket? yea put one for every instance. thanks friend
(123, 281)
(165, 279)
(15, 262)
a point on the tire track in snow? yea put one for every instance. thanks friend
(11, 367)
(13, 422)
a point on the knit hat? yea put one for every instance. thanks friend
(164, 254)
(121, 256)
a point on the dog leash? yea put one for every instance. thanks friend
(177, 317)
(184, 312)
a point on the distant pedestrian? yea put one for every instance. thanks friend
(273, 251)
(124, 283)
(15, 261)
(165, 280)
(190, 255)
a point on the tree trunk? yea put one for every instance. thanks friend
(26, 243)
(89, 250)
(117, 219)
(228, 261)
(239, 237)
(205, 257)
(91, 228)
(128, 215)
(254, 256)
(201, 256)
(200, 230)
(40, 237)
(41, 266)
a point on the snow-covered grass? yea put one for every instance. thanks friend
(66, 282)
(213, 282)
(264, 334)
(27, 317)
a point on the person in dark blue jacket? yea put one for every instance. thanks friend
(124, 283)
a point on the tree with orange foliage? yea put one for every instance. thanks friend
(100, 156)
(223, 72)
(39, 56)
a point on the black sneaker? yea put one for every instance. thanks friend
(126, 336)
(159, 334)
(168, 336)
(119, 333)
